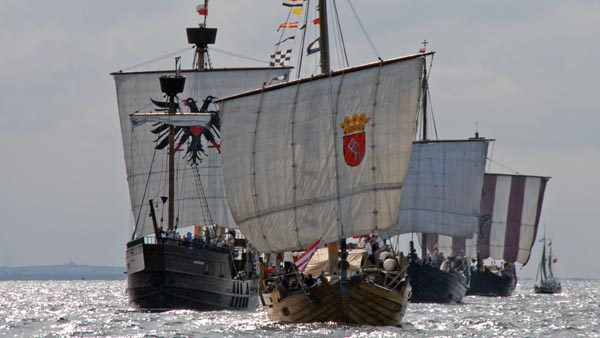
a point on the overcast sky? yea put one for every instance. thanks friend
(523, 73)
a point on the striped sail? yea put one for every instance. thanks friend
(443, 188)
(511, 206)
(147, 168)
(292, 174)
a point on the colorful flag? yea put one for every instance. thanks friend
(555, 260)
(281, 58)
(293, 3)
(297, 10)
(313, 47)
(289, 38)
(288, 25)
(302, 260)
(317, 21)
(202, 10)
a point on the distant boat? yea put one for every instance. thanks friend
(318, 160)
(172, 158)
(545, 282)
(511, 206)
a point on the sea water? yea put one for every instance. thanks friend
(100, 309)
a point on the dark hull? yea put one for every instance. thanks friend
(487, 283)
(432, 285)
(163, 277)
(547, 288)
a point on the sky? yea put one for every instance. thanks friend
(523, 73)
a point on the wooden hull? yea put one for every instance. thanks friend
(487, 283)
(164, 277)
(432, 285)
(365, 304)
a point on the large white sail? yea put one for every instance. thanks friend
(147, 167)
(442, 190)
(322, 157)
(511, 206)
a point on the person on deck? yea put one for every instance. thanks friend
(231, 238)
(369, 249)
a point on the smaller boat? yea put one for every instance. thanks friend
(510, 212)
(544, 279)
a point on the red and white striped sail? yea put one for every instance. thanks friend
(511, 206)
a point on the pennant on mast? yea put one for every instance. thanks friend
(293, 24)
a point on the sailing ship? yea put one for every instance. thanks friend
(318, 160)
(439, 199)
(173, 163)
(511, 207)
(545, 282)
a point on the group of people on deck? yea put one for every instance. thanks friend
(372, 244)
(203, 240)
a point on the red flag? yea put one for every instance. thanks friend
(555, 260)
(302, 260)
(202, 10)
(317, 21)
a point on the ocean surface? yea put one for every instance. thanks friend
(99, 309)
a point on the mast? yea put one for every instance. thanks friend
(201, 37)
(424, 91)
(171, 86)
(333, 247)
(543, 263)
(550, 259)
(171, 154)
(324, 40)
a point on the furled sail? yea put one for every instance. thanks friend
(146, 167)
(511, 206)
(442, 190)
(322, 157)
(180, 120)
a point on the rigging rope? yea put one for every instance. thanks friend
(362, 27)
(503, 166)
(137, 220)
(299, 67)
(341, 36)
(157, 59)
(239, 55)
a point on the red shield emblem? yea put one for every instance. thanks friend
(354, 148)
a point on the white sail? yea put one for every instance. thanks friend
(442, 190)
(292, 174)
(511, 207)
(147, 177)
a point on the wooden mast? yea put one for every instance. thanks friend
(171, 194)
(332, 248)
(171, 86)
(425, 90)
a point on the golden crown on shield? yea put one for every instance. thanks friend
(356, 123)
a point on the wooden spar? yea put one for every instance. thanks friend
(154, 223)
